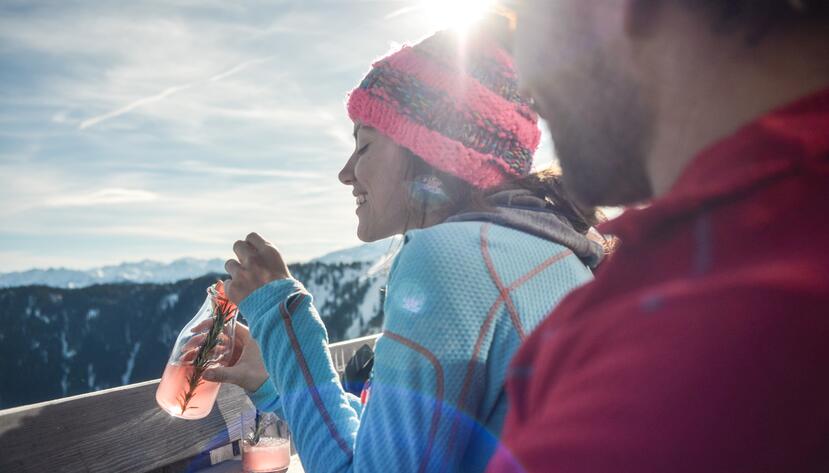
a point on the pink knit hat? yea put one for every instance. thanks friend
(454, 103)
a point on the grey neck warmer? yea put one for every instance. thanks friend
(521, 210)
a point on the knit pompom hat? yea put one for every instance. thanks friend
(453, 102)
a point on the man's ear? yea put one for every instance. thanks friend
(641, 17)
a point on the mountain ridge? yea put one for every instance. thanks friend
(151, 271)
(57, 342)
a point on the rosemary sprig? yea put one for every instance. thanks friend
(257, 430)
(222, 312)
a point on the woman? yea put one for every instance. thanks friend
(443, 152)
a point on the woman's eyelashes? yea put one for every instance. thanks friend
(363, 149)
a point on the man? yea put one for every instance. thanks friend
(703, 343)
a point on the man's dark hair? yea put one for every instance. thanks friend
(758, 17)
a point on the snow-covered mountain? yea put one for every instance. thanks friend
(134, 272)
(148, 271)
(57, 342)
(66, 332)
(368, 252)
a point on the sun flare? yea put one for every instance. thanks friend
(455, 14)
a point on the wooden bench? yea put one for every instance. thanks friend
(123, 430)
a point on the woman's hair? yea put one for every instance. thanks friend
(460, 196)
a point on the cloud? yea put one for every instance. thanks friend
(239, 68)
(183, 234)
(403, 11)
(202, 167)
(104, 197)
(172, 128)
(60, 117)
(133, 105)
(170, 91)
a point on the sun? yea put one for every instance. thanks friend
(455, 14)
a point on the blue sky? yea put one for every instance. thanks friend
(167, 128)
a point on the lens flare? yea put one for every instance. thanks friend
(456, 14)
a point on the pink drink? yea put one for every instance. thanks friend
(270, 455)
(173, 388)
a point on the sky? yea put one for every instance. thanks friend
(159, 129)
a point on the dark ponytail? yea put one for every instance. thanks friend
(546, 185)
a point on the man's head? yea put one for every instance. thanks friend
(603, 73)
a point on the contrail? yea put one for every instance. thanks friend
(244, 65)
(170, 91)
(403, 11)
(138, 103)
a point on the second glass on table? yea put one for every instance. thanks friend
(266, 443)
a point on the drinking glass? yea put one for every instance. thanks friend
(266, 443)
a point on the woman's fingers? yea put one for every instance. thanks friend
(244, 250)
(224, 340)
(222, 374)
(242, 339)
(188, 356)
(195, 342)
(203, 326)
(257, 242)
(247, 372)
(220, 354)
(259, 263)
(242, 332)
(230, 290)
(232, 267)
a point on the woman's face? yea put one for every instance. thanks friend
(377, 172)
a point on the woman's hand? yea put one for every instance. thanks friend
(248, 369)
(259, 263)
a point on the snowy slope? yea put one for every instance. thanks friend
(57, 342)
(66, 332)
(368, 252)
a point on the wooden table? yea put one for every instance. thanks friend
(235, 466)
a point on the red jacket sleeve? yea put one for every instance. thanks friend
(725, 378)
